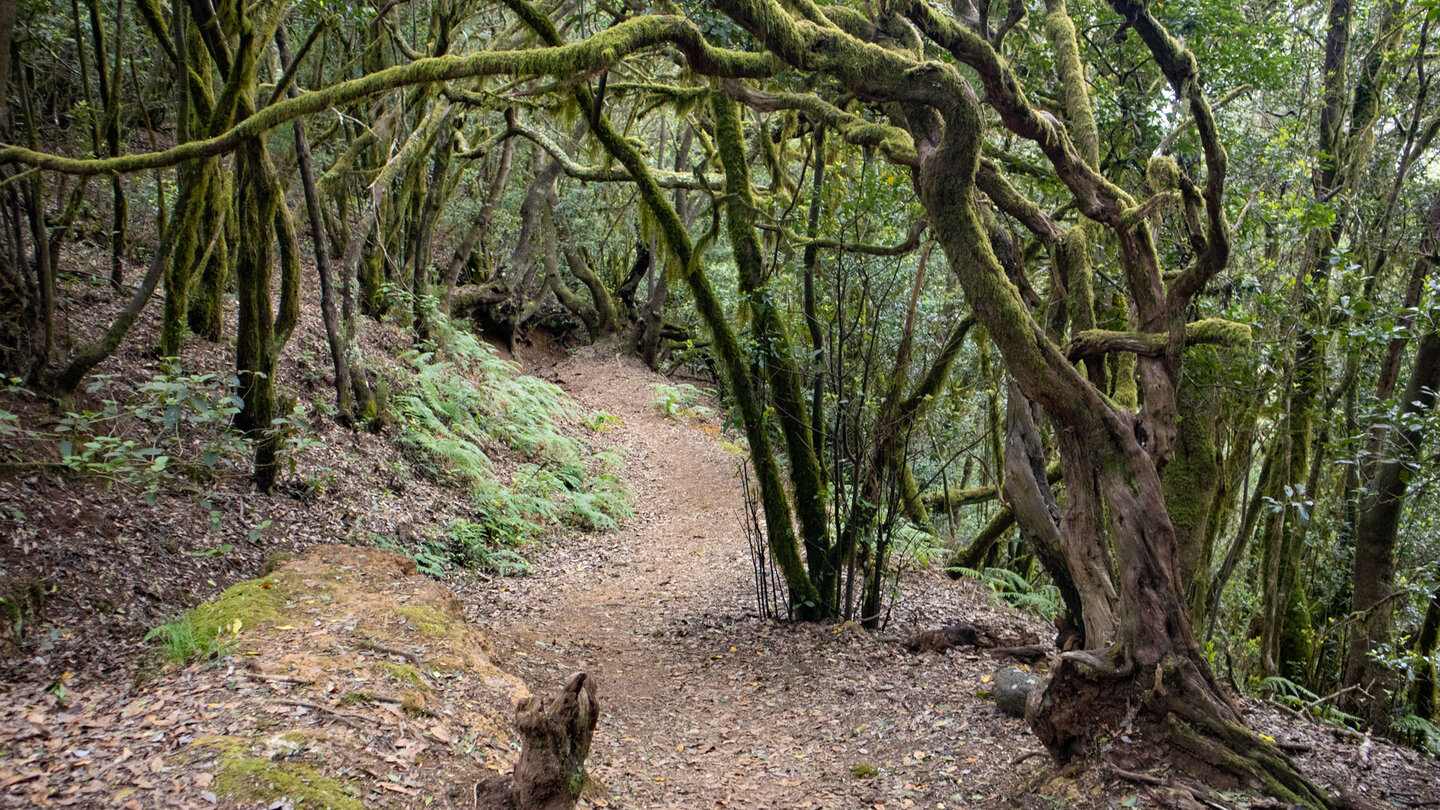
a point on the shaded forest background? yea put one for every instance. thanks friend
(1128, 310)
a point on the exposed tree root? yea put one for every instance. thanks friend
(1180, 709)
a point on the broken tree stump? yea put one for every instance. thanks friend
(556, 740)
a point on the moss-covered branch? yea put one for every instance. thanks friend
(909, 245)
(603, 174)
(592, 55)
(946, 499)
(1091, 343)
(892, 142)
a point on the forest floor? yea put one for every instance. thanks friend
(707, 705)
(704, 704)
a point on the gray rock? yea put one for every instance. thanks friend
(1012, 689)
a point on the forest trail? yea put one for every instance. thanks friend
(703, 704)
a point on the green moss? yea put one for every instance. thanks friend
(1189, 478)
(205, 630)
(276, 560)
(1297, 641)
(1163, 173)
(1220, 332)
(429, 621)
(355, 698)
(251, 779)
(1061, 31)
(404, 674)
(252, 603)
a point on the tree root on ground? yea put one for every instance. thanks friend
(1182, 711)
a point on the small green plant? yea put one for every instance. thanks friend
(680, 401)
(1293, 694)
(9, 423)
(597, 421)
(1044, 601)
(1425, 734)
(184, 420)
(472, 545)
(22, 606)
(15, 385)
(258, 530)
(293, 436)
(186, 639)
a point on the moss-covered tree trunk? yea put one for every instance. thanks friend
(1377, 530)
(257, 203)
(774, 348)
(1425, 690)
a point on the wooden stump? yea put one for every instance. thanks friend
(551, 772)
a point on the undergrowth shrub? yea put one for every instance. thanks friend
(680, 401)
(175, 421)
(1043, 601)
(462, 405)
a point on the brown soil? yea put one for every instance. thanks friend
(351, 682)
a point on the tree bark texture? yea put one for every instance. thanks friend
(556, 735)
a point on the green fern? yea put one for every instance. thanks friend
(1287, 691)
(1425, 733)
(1044, 601)
(462, 404)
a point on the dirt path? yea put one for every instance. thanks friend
(705, 705)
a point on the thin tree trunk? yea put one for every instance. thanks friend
(333, 331)
(185, 216)
(482, 222)
(1424, 697)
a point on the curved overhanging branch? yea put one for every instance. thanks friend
(943, 500)
(1009, 200)
(911, 243)
(865, 68)
(592, 55)
(1184, 126)
(1092, 343)
(600, 174)
(894, 143)
(1095, 195)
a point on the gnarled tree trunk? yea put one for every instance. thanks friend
(550, 774)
